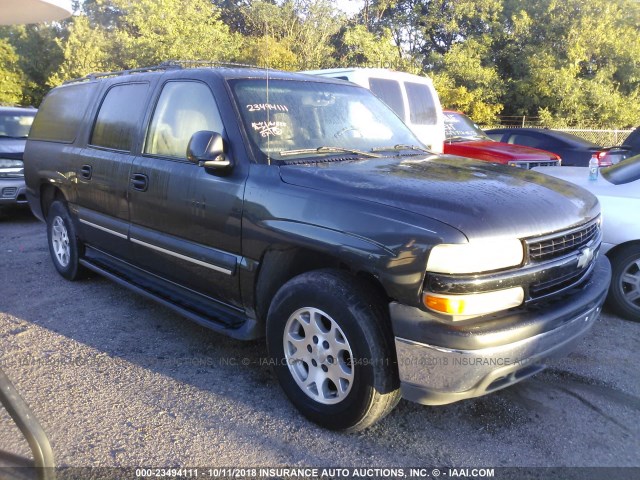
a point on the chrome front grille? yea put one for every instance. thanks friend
(563, 243)
(528, 165)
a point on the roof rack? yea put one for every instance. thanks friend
(168, 65)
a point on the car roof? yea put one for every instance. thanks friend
(564, 136)
(225, 72)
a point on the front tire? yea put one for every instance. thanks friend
(624, 293)
(332, 350)
(64, 245)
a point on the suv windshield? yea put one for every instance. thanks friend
(15, 124)
(295, 119)
(458, 126)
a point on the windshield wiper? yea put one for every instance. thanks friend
(401, 146)
(303, 151)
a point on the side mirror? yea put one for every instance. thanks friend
(206, 149)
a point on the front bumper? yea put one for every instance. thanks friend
(13, 192)
(443, 363)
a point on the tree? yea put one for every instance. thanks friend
(11, 77)
(38, 55)
(468, 82)
(430, 27)
(303, 28)
(356, 46)
(576, 62)
(86, 50)
(153, 31)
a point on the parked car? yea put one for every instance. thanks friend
(15, 123)
(300, 208)
(412, 97)
(618, 189)
(632, 143)
(464, 138)
(574, 151)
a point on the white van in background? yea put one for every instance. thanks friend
(412, 97)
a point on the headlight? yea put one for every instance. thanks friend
(11, 168)
(476, 256)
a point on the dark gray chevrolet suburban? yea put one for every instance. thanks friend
(300, 208)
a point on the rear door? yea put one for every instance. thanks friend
(104, 166)
(185, 219)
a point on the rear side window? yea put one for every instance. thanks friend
(389, 92)
(119, 116)
(61, 113)
(423, 107)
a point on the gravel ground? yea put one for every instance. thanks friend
(117, 380)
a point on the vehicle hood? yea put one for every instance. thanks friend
(479, 199)
(488, 150)
(12, 148)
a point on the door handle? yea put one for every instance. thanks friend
(139, 182)
(86, 171)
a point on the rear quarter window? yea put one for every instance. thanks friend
(389, 92)
(119, 116)
(423, 107)
(61, 113)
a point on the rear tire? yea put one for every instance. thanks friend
(64, 246)
(332, 350)
(624, 292)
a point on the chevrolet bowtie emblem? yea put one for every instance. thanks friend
(585, 257)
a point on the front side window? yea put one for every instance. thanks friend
(120, 116)
(183, 109)
(285, 116)
(423, 106)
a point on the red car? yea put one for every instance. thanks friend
(465, 139)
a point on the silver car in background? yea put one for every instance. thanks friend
(15, 123)
(618, 189)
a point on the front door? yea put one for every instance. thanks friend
(186, 220)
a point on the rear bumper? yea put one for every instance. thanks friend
(441, 363)
(13, 192)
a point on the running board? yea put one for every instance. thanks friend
(248, 330)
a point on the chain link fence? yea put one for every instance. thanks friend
(604, 138)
